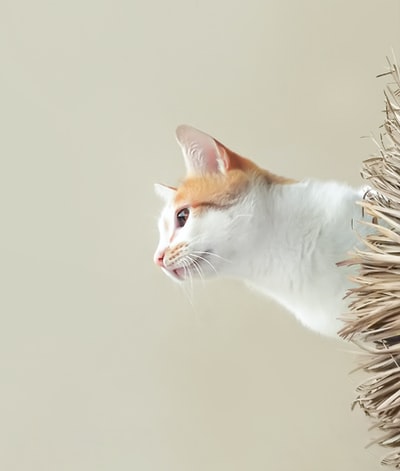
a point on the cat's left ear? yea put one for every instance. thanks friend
(163, 191)
(201, 152)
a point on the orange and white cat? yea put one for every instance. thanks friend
(231, 218)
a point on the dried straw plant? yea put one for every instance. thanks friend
(374, 318)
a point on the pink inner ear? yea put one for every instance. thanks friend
(201, 152)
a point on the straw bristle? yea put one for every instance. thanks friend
(374, 318)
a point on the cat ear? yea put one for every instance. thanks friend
(165, 192)
(201, 152)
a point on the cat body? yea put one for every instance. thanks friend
(230, 218)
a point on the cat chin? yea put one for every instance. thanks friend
(183, 274)
(170, 274)
(179, 275)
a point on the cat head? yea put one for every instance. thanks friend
(204, 224)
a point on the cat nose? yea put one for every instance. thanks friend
(159, 258)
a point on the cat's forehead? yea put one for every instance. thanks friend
(215, 189)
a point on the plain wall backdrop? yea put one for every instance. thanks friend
(105, 364)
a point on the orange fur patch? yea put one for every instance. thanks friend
(213, 189)
(235, 161)
(217, 189)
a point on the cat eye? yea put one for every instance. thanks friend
(182, 216)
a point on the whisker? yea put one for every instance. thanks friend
(197, 266)
(208, 262)
(188, 274)
(188, 290)
(189, 294)
(206, 252)
(237, 216)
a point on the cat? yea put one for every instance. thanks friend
(231, 218)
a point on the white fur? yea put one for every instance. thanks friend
(283, 239)
(303, 230)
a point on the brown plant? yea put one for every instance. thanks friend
(373, 321)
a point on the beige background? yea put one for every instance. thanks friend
(105, 364)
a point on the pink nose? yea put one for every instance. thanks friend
(159, 259)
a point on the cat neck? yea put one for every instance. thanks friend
(297, 234)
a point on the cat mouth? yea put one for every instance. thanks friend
(180, 273)
(192, 268)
